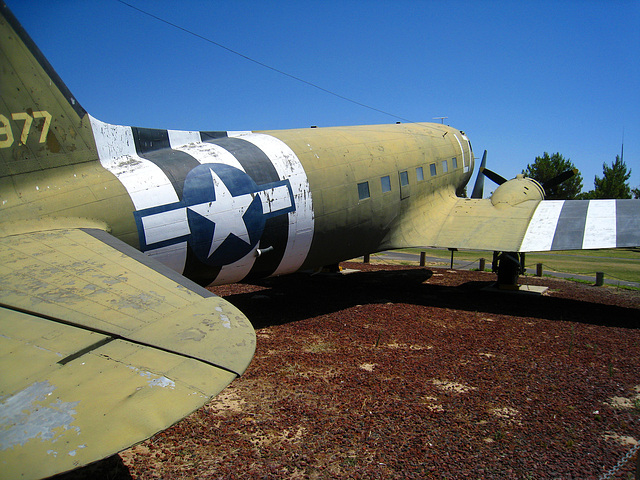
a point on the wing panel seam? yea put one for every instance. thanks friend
(110, 339)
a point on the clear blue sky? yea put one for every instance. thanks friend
(520, 78)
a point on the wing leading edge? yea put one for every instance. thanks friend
(536, 226)
(101, 347)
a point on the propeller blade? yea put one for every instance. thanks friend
(558, 179)
(478, 187)
(493, 176)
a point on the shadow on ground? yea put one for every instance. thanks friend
(110, 468)
(296, 297)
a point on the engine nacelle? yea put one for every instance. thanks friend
(517, 190)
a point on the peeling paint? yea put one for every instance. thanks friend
(154, 379)
(141, 301)
(226, 323)
(23, 416)
(192, 334)
(163, 382)
(72, 453)
(128, 161)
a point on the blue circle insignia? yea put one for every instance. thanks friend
(224, 212)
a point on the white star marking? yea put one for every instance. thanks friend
(226, 213)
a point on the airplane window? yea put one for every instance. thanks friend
(445, 166)
(363, 190)
(419, 174)
(432, 169)
(454, 161)
(386, 183)
(404, 179)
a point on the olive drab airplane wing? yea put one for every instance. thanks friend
(528, 225)
(100, 349)
(101, 346)
(108, 231)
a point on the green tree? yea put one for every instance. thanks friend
(613, 183)
(590, 195)
(635, 192)
(547, 167)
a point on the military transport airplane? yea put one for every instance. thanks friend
(108, 231)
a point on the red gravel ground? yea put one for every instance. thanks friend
(401, 372)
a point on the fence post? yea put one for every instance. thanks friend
(452, 250)
(367, 258)
(599, 279)
(481, 266)
(423, 259)
(538, 270)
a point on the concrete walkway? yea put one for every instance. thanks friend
(466, 265)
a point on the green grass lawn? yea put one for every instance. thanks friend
(622, 263)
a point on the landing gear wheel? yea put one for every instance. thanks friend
(509, 267)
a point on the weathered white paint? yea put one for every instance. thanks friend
(146, 183)
(301, 221)
(542, 227)
(210, 153)
(600, 227)
(173, 256)
(166, 225)
(178, 138)
(274, 199)
(112, 141)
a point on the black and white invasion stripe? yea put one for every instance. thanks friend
(583, 224)
(153, 164)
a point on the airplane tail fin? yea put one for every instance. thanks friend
(41, 124)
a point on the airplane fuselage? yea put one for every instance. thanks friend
(225, 206)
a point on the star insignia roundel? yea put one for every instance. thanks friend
(224, 211)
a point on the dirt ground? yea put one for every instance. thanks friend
(403, 372)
